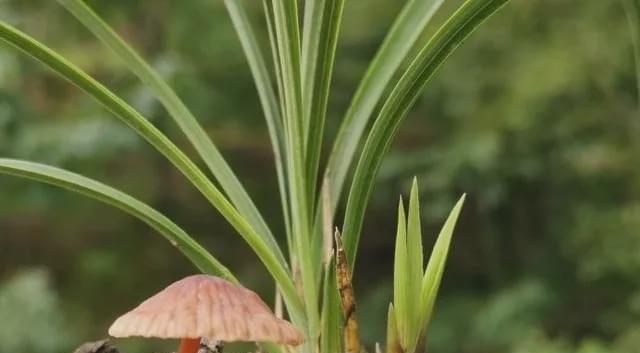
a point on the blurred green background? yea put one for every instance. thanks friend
(535, 117)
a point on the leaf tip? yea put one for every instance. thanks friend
(460, 202)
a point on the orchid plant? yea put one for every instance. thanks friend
(293, 83)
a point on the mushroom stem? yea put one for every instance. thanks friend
(189, 345)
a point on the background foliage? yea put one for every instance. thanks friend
(536, 118)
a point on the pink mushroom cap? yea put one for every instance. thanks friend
(206, 306)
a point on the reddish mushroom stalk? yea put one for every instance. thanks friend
(189, 345)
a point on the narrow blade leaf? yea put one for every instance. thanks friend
(268, 99)
(400, 277)
(182, 116)
(402, 36)
(414, 266)
(286, 25)
(320, 37)
(158, 140)
(275, 56)
(201, 258)
(414, 236)
(435, 267)
(404, 95)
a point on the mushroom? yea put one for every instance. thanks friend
(203, 306)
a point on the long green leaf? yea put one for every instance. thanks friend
(314, 12)
(414, 265)
(275, 56)
(405, 31)
(322, 23)
(201, 258)
(401, 298)
(268, 99)
(414, 235)
(145, 129)
(285, 21)
(182, 116)
(404, 95)
(435, 267)
(285, 14)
